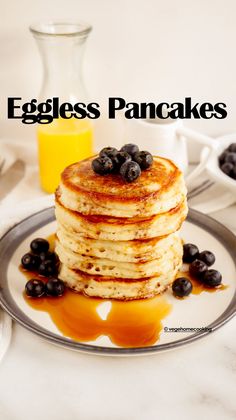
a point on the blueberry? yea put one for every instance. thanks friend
(207, 257)
(130, 171)
(119, 159)
(222, 157)
(212, 278)
(39, 245)
(30, 261)
(232, 148)
(144, 159)
(108, 151)
(102, 165)
(182, 287)
(197, 269)
(47, 268)
(49, 256)
(35, 288)
(55, 287)
(130, 148)
(190, 253)
(230, 158)
(227, 168)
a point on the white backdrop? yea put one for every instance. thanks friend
(140, 50)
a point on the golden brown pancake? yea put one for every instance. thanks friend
(158, 190)
(120, 269)
(138, 250)
(120, 229)
(119, 288)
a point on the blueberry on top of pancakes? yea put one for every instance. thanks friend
(102, 165)
(130, 148)
(128, 162)
(144, 159)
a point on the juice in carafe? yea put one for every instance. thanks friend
(65, 140)
(60, 144)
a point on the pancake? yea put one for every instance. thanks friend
(120, 240)
(120, 229)
(119, 269)
(158, 190)
(127, 251)
(122, 289)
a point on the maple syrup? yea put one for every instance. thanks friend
(128, 324)
(199, 287)
(51, 239)
(134, 323)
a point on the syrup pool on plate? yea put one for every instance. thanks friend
(199, 287)
(134, 323)
(128, 324)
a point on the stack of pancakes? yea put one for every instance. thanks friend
(116, 239)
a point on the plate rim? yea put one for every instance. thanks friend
(217, 229)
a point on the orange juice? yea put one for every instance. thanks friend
(60, 144)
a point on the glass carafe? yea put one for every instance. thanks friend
(64, 141)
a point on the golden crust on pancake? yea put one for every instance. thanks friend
(138, 250)
(121, 229)
(122, 289)
(120, 269)
(158, 189)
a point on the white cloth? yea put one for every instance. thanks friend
(28, 188)
(213, 199)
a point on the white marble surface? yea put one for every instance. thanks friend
(40, 381)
